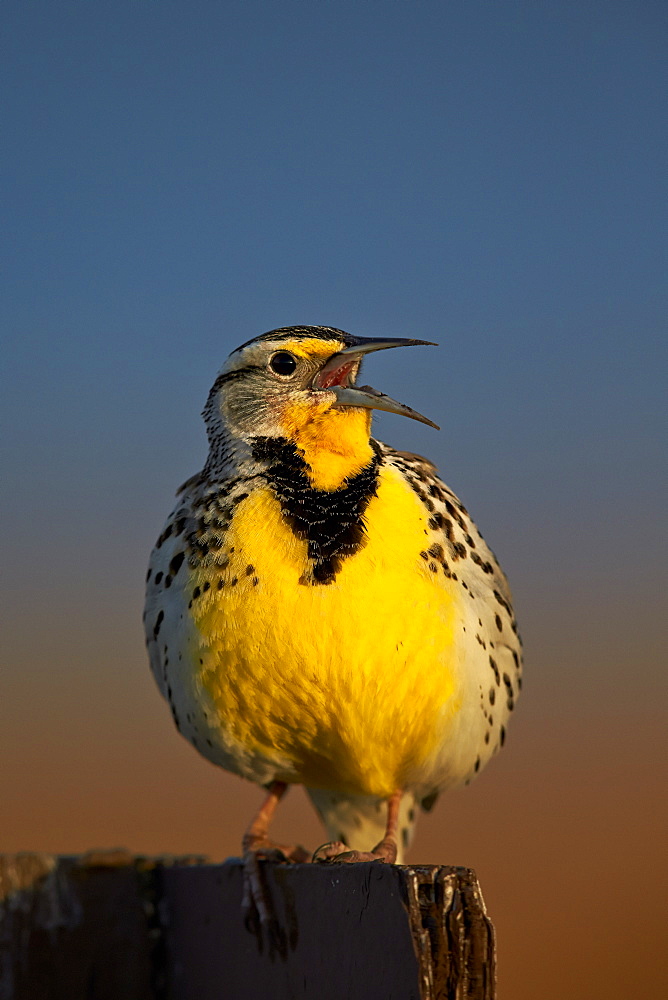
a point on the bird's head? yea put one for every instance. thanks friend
(299, 384)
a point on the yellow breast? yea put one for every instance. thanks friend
(353, 682)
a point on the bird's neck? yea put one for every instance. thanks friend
(227, 454)
(335, 445)
(332, 447)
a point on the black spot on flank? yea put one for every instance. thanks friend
(424, 555)
(148, 575)
(255, 581)
(459, 550)
(405, 837)
(428, 801)
(175, 564)
(499, 625)
(492, 695)
(436, 521)
(516, 659)
(168, 581)
(158, 623)
(503, 735)
(250, 570)
(158, 578)
(196, 593)
(502, 602)
(433, 567)
(487, 737)
(454, 513)
(469, 541)
(476, 766)
(221, 584)
(234, 581)
(411, 815)
(165, 535)
(497, 675)
(415, 486)
(206, 586)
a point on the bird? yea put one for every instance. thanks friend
(320, 607)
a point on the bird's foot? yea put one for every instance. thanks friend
(256, 902)
(386, 851)
(336, 851)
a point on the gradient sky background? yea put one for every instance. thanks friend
(179, 177)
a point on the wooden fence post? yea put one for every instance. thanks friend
(109, 926)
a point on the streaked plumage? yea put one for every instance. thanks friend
(321, 608)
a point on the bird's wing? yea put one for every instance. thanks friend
(192, 536)
(453, 527)
(455, 549)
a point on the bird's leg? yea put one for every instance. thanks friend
(256, 839)
(256, 902)
(385, 851)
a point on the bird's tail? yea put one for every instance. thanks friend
(359, 820)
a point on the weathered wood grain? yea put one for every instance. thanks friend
(108, 926)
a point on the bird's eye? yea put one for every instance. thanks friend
(283, 363)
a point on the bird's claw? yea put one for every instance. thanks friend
(256, 904)
(338, 852)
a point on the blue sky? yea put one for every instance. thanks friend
(179, 177)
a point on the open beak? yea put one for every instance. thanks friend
(337, 375)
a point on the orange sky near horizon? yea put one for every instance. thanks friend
(566, 828)
(181, 178)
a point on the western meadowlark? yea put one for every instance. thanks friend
(321, 610)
